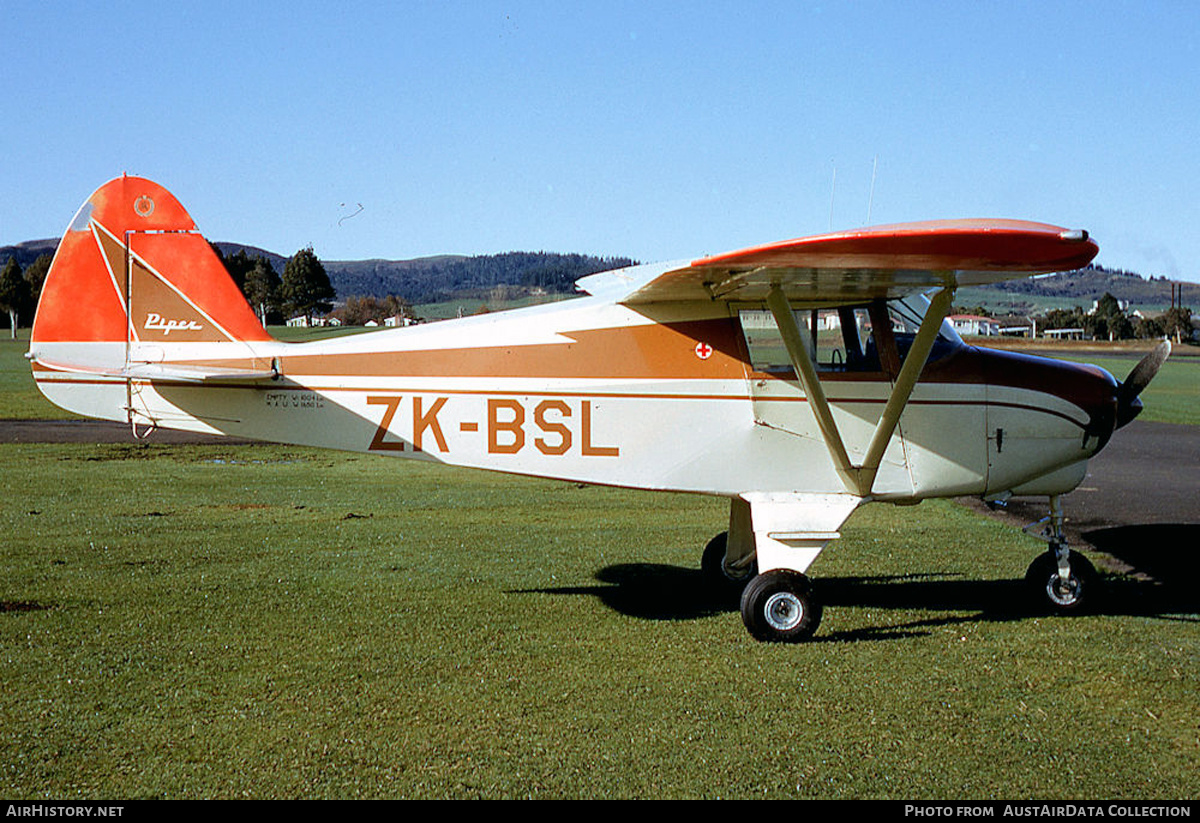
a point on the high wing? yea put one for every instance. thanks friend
(881, 262)
(863, 264)
(651, 384)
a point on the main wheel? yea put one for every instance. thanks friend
(1063, 596)
(778, 606)
(715, 570)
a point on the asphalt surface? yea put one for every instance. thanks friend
(1139, 504)
(95, 431)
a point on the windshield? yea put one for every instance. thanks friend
(907, 315)
(910, 311)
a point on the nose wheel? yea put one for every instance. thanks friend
(1062, 592)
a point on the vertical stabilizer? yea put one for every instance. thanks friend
(133, 283)
(132, 268)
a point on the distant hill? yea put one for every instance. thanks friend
(28, 251)
(434, 279)
(278, 261)
(421, 280)
(1080, 287)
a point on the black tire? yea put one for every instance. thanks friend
(712, 564)
(1050, 592)
(778, 607)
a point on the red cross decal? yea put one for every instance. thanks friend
(703, 350)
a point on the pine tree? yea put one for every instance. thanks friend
(14, 291)
(306, 287)
(35, 276)
(261, 287)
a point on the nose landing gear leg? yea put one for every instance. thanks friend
(1061, 580)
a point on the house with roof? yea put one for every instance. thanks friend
(974, 324)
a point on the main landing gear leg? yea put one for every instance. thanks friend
(729, 560)
(772, 540)
(1062, 580)
(776, 605)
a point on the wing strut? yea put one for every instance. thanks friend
(802, 361)
(859, 479)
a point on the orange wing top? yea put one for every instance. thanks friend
(882, 261)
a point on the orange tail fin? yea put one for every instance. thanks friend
(132, 268)
(135, 295)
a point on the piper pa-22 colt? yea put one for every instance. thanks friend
(798, 379)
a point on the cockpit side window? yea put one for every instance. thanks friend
(867, 338)
(839, 339)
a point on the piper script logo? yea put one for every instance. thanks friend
(156, 322)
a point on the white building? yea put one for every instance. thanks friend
(974, 324)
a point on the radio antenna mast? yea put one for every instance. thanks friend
(871, 199)
(832, 192)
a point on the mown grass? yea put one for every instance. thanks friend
(1174, 394)
(273, 622)
(19, 395)
(474, 305)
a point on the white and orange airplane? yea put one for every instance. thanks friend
(798, 379)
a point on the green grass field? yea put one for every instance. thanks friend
(272, 622)
(19, 395)
(471, 305)
(1173, 396)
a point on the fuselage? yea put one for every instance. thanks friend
(667, 397)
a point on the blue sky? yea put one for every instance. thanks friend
(656, 130)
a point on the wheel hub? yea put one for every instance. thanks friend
(1063, 592)
(783, 611)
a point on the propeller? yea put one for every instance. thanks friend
(1128, 404)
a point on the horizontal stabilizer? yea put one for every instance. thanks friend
(167, 372)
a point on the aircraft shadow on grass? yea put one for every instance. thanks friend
(1164, 557)
(1169, 552)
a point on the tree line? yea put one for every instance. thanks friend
(1108, 321)
(303, 288)
(438, 279)
(20, 289)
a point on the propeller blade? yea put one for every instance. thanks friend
(1128, 404)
